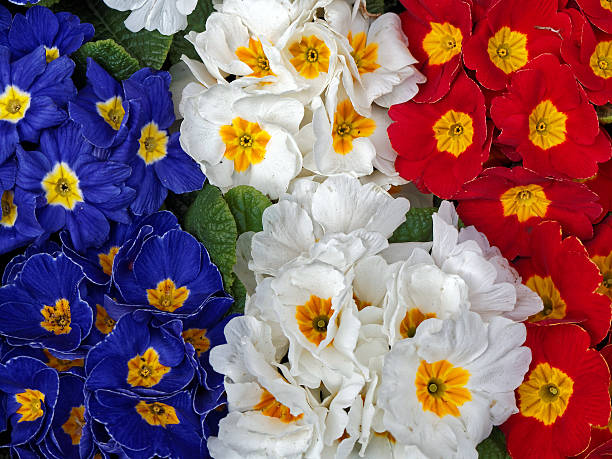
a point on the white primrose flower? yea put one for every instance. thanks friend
(240, 139)
(446, 388)
(167, 16)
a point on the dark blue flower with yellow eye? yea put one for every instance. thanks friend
(43, 306)
(101, 108)
(166, 427)
(13, 268)
(28, 393)
(171, 276)
(75, 190)
(139, 358)
(74, 366)
(32, 93)
(158, 162)
(61, 34)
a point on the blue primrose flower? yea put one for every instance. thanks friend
(32, 93)
(43, 306)
(28, 394)
(158, 162)
(101, 108)
(72, 366)
(75, 190)
(61, 34)
(13, 268)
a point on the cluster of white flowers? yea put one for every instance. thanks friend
(354, 347)
(289, 88)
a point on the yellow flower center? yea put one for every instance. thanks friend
(31, 402)
(412, 320)
(14, 104)
(601, 59)
(73, 427)
(440, 387)
(349, 125)
(61, 186)
(554, 305)
(604, 263)
(310, 56)
(525, 201)
(104, 322)
(269, 406)
(197, 338)
(157, 413)
(454, 132)
(313, 318)
(606, 4)
(145, 370)
(106, 260)
(61, 364)
(508, 49)
(545, 394)
(442, 43)
(57, 318)
(547, 125)
(254, 57)
(112, 111)
(360, 304)
(51, 54)
(166, 296)
(365, 54)
(245, 143)
(9, 209)
(153, 143)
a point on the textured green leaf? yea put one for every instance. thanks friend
(113, 57)
(418, 226)
(196, 22)
(46, 3)
(210, 220)
(493, 447)
(238, 291)
(247, 205)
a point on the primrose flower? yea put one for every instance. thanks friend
(600, 251)
(167, 16)
(598, 13)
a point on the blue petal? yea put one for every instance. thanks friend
(55, 82)
(177, 171)
(25, 70)
(8, 139)
(87, 226)
(150, 192)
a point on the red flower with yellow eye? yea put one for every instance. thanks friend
(512, 34)
(546, 116)
(507, 204)
(436, 32)
(564, 392)
(562, 274)
(599, 12)
(600, 251)
(441, 145)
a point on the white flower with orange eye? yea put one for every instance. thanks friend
(167, 16)
(240, 139)
(447, 387)
(379, 67)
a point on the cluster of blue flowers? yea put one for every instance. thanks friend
(104, 334)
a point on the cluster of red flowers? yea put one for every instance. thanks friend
(506, 125)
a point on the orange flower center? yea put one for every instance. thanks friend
(440, 387)
(313, 318)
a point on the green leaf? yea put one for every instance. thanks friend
(238, 291)
(418, 226)
(113, 57)
(375, 6)
(493, 447)
(604, 113)
(46, 3)
(247, 206)
(196, 22)
(210, 220)
(150, 49)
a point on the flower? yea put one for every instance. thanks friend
(598, 13)
(547, 118)
(167, 16)
(515, 200)
(33, 92)
(444, 389)
(600, 251)
(441, 145)
(436, 35)
(508, 37)
(560, 271)
(564, 392)
(601, 185)
(43, 306)
(75, 190)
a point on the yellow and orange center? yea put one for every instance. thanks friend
(73, 427)
(197, 338)
(554, 305)
(104, 322)
(310, 56)
(547, 125)
(271, 407)
(606, 4)
(51, 54)
(442, 43)
(166, 296)
(245, 143)
(604, 263)
(14, 104)
(61, 364)
(412, 320)
(153, 143)
(454, 132)
(145, 370)
(360, 304)
(9, 209)
(57, 318)
(31, 402)
(313, 318)
(255, 57)
(348, 126)
(545, 394)
(157, 413)
(112, 111)
(525, 201)
(364, 53)
(440, 387)
(508, 49)
(61, 186)
(106, 260)
(601, 60)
